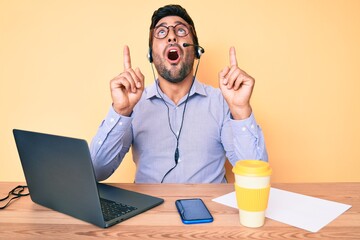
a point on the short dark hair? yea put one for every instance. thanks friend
(171, 10)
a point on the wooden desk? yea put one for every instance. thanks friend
(24, 219)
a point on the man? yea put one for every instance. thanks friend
(180, 130)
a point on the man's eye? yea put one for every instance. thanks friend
(161, 32)
(181, 31)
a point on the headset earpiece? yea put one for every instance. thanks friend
(198, 52)
(149, 56)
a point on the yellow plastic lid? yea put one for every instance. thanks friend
(252, 168)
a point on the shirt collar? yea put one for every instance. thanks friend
(152, 91)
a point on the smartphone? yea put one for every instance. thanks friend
(193, 211)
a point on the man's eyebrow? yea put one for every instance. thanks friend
(164, 24)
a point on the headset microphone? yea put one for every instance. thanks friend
(198, 49)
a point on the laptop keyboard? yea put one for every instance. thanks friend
(113, 209)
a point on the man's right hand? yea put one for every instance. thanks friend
(127, 87)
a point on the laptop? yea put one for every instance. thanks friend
(60, 176)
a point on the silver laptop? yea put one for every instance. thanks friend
(60, 176)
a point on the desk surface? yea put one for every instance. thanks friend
(24, 219)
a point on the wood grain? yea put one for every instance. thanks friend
(24, 219)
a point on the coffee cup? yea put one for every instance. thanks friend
(252, 187)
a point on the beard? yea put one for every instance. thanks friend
(170, 74)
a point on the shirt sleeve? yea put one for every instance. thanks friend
(110, 144)
(248, 140)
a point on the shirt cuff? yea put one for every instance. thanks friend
(246, 126)
(117, 122)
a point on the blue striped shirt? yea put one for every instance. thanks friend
(209, 136)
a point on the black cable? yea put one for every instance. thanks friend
(177, 153)
(17, 192)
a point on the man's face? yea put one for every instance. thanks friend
(172, 61)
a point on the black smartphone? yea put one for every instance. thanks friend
(193, 211)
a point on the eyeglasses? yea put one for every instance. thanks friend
(17, 193)
(180, 30)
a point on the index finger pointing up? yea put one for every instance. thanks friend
(127, 59)
(232, 53)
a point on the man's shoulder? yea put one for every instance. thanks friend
(211, 91)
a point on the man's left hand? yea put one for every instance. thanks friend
(236, 86)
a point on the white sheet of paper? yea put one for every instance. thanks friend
(295, 209)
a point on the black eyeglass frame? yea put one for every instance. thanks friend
(17, 192)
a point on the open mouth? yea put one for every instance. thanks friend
(173, 55)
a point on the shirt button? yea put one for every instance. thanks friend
(252, 126)
(112, 119)
(120, 123)
(100, 142)
(243, 129)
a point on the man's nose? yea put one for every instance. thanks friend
(171, 35)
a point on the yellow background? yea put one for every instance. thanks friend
(57, 58)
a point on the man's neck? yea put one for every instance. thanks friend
(176, 91)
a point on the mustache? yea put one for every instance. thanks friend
(173, 45)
